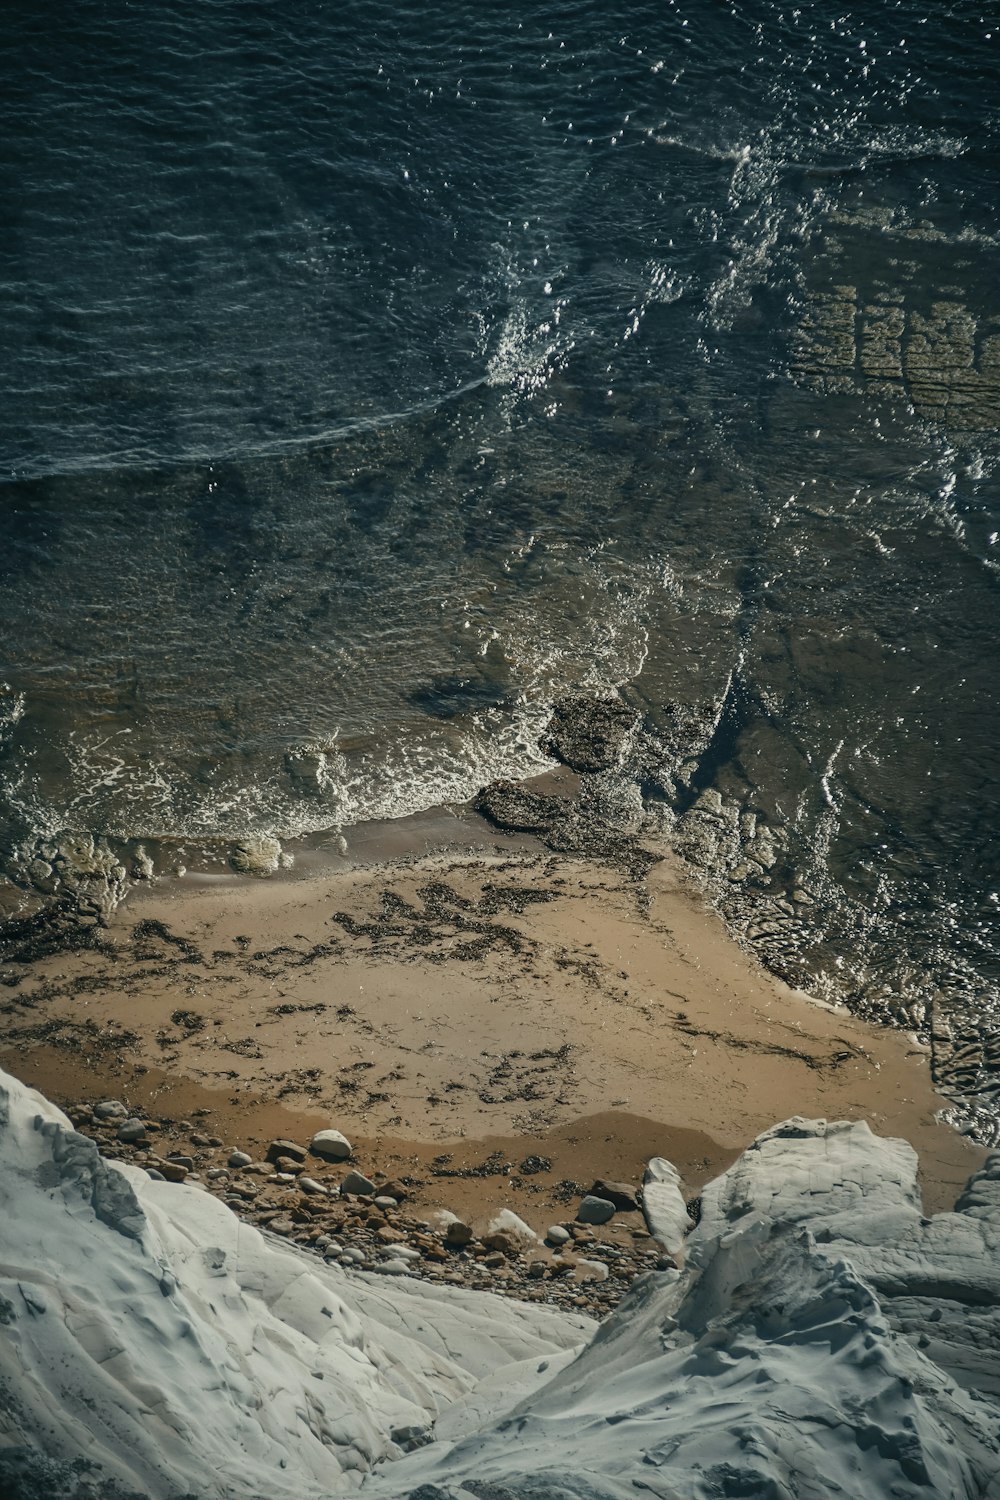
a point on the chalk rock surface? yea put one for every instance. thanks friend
(663, 1205)
(823, 1339)
(175, 1350)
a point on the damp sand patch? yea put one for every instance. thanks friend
(444, 999)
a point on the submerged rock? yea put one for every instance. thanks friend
(516, 809)
(589, 734)
(580, 826)
(256, 856)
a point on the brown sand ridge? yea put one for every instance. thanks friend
(460, 1015)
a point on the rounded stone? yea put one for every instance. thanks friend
(510, 1223)
(173, 1171)
(240, 1159)
(111, 1109)
(595, 1210)
(557, 1235)
(330, 1145)
(393, 1267)
(132, 1131)
(592, 1270)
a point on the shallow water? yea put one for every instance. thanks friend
(372, 378)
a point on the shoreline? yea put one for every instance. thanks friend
(436, 1003)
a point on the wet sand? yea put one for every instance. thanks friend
(455, 1014)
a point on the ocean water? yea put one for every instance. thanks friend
(375, 375)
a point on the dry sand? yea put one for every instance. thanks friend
(464, 1011)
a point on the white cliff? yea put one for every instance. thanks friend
(823, 1339)
(163, 1347)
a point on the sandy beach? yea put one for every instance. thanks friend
(456, 1014)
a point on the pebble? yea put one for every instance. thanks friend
(331, 1145)
(356, 1182)
(132, 1131)
(619, 1193)
(508, 1222)
(173, 1171)
(503, 1241)
(368, 1229)
(592, 1270)
(111, 1109)
(278, 1149)
(595, 1211)
(392, 1267)
(281, 1225)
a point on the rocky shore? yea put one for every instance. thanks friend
(824, 1334)
(318, 1196)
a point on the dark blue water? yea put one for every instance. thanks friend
(373, 375)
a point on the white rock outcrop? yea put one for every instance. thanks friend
(152, 1344)
(824, 1338)
(663, 1206)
